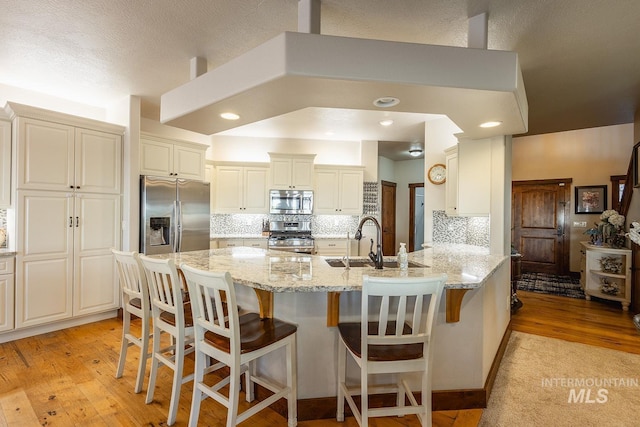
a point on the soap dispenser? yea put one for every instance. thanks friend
(403, 261)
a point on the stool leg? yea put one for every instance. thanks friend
(292, 380)
(126, 322)
(201, 361)
(144, 355)
(342, 355)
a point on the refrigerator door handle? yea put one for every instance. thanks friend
(178, 246)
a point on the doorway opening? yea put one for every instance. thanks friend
(416, 216)
(388, 218)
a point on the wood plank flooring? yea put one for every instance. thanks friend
(66, 378)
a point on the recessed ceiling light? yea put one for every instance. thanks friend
(387, 122)
(386, 102)
(230, 116)
(490, 124)
(415, 152)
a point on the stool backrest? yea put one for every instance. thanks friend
(396, 306)
(133, 281)
(214, 305)
(165, 288)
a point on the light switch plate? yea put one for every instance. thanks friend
(582, 224)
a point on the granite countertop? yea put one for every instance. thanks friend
(6, 252)
(466, 266)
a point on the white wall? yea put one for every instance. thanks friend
(250, 149)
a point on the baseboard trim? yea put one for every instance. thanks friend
(442, 400)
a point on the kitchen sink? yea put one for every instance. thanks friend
(359, 262)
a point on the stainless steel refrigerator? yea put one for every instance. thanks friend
(174, 215)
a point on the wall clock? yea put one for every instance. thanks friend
(437, 174)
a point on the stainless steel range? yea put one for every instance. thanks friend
(291, 236)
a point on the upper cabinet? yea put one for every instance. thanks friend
(172, 158)
(241, 188)
(62, 157)
(468, 191)
(289, 172)
(5, 164)
(338, 190)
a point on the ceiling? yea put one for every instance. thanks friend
(579, 58)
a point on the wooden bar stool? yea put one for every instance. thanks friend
(135, 301)
(397, 340)
(237, 342)
(173, 317)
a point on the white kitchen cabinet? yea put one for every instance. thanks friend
(289, 172)
(67, 216)
(209, 174)
(241, 188)
(335, 247)
(248, 242)
(468, 185)
(62, 157)
(6, 293)
(64, 262)
(607, 274)
(338, 190)
(172, 158)
(5, 164)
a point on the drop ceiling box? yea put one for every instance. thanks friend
(299, 70)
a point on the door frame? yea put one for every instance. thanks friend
(412, 213)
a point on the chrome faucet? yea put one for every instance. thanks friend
(375, 257)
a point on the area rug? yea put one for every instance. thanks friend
(550, 382)
(565, 286)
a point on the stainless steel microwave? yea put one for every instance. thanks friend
(291, 202)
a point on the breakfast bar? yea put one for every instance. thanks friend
(314, 292)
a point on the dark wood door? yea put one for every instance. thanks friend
(388, 218)
(540, 229)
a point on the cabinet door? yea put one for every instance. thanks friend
(350, 191)
(44, 264)
(209, 176)
(156, 158)
(229, 194)
(326, 198)
(6, 294)
(302, 174)
(474, 178)
(331, 247)
(256, 194)
(5, 164)
(188, 163)
(96, 231)
(45, 155)
(98, 162)
(451, 184)
(281, 173)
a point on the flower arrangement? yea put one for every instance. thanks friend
(610, 228)
(609, 288)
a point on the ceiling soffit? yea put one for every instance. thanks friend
(299, 70)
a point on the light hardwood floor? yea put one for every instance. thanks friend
(66, 378)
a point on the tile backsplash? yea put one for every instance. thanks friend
(3, 222)
(458, 229)
(251, 225)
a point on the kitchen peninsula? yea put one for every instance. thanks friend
(464, 350)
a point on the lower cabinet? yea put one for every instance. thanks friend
(607, 274)
(6, 293)
(64, 266)
(251, 243)
(335, 247)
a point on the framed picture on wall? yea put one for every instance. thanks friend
(591, 199)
